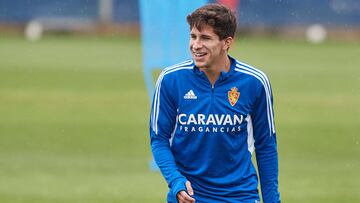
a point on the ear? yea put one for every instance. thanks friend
(227, 43)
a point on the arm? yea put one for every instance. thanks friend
(265, 145)
(162, 124)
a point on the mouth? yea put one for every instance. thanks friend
(199, 54)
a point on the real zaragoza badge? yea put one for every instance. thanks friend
(233, 96)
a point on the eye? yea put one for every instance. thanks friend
(205, 37)
(192, 36)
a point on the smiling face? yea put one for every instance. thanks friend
(208, 51)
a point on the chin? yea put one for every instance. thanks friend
(199, 64)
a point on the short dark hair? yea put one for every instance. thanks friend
(218, 16)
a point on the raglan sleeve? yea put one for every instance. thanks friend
(162, 123)
(265, 143)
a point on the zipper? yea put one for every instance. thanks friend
(212, 97)
(213, 91)
(212, 86)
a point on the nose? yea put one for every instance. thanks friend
(196, 44)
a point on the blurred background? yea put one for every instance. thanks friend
(74, 106)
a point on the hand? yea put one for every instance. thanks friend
(184, 197)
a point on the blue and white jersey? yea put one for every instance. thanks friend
(207, 134)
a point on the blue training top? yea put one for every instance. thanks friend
(207, 134)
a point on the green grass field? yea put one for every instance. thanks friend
(74, 120)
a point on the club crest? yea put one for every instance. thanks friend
(233, 96)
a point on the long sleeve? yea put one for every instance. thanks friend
(265, 144)
(162, 124)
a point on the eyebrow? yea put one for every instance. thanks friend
(201, 35)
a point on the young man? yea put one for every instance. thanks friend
(208, 116)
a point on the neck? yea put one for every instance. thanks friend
(213, 72)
